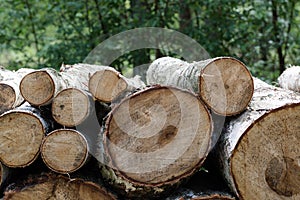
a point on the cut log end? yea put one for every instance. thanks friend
(59, 187)
(106, 85)
(7, 97)
(70, 107)
(150, 139)
(265, 164)
(37, 87)
(64, 150)
(226, 86)
(21, 135)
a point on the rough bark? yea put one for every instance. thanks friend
(71, 106)
(153, 140)
(223, 83)
(108, 84)
(65, 150)
(290, 79)
(58, 187)
(39, 87)
(259, 150)
(10, 96)
(21, 133)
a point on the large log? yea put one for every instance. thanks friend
(21, 133)
(39, 87)
(223, 83)
(65, 150)
(108, 84)
(10, 96)
(290, 79)
(259, 150)
(57, 187)
(153, 140)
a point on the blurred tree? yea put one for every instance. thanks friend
(263, 34)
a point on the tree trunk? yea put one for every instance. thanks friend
(153, 140)
(39, 87)
(108, 84)
(290, 79)
(223, 83)
(21, 133)
(10, 96)
(58, 187)
(65, 150)
(259, 150)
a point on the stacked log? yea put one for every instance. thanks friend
(10, 96)
(65, 150)
(258, 151)
(223, 83)
(21, 133)
(51, 186)
(152, 142)
(290, 79)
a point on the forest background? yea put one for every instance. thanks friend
(264, 34)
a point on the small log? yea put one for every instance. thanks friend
(21, 133)
(108, 84)
(70, 107)
(153, 140)
(290, 79)
(224, 83)
(39, 87)
(65, 150)
(58, 187)
(10, 96)
(259, 150)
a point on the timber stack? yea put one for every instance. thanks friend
(201, 130)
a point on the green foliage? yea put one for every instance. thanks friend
(263, 34)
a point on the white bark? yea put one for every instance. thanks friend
(223, 83)
(290, 79)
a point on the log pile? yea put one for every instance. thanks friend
(201, 130)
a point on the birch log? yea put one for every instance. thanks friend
(290, 79)
(71, 106)
(39, 87)
(65, 150)
(108, 84)
(153, 140)
(223, 83)
(259, 150)
(10, 96)
(21, 133)
(58, 187)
